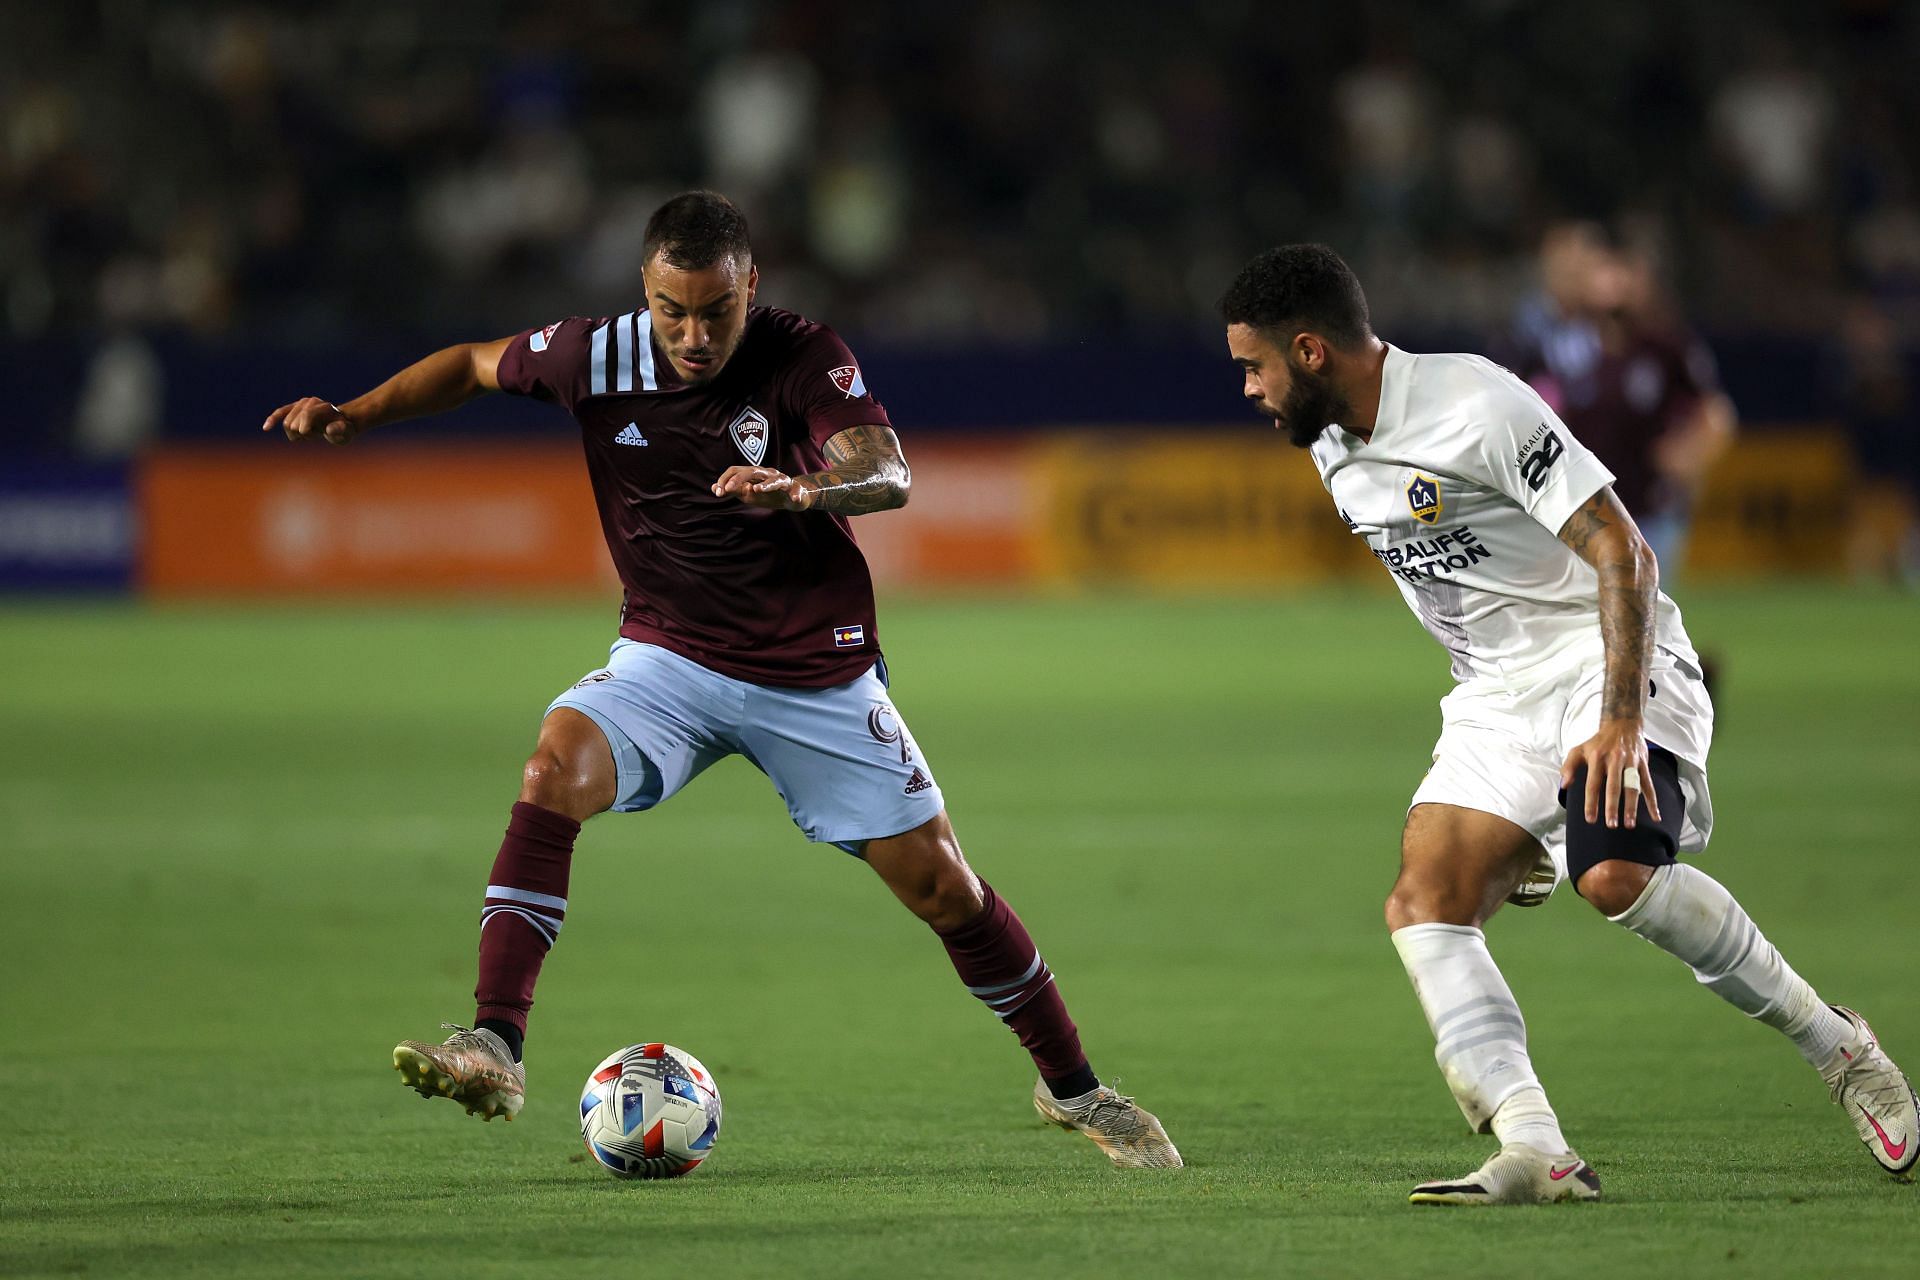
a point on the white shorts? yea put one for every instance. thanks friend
(1501, 747)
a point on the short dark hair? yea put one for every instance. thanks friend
(696, 229)
(1299, 286)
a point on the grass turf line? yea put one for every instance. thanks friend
(245, 850)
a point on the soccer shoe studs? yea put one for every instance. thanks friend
(1131, 1135)
(1876, 1097)
(1517, 1174)
(472, 1067)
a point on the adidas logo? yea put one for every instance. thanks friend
(918, 782)
(631, 436)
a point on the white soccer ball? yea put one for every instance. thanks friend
(650, 1111)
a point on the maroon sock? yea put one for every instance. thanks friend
(996, 958)
(526, 905)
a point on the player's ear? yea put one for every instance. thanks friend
(753, 283)
(1310, 351)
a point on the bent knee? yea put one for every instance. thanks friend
(1409, 904)
(1420, 900)
(551, 781)
(954, 900)
(1613, 886)
(572, 782)
(945, 892)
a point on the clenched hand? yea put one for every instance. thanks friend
(311, 418)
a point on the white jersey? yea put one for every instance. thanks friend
(1461, 494)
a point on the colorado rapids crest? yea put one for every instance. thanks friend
(749, 431)
(1423, 498)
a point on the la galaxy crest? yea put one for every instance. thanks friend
(749, 432)
(1423, 498)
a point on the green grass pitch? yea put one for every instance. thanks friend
(243, 853)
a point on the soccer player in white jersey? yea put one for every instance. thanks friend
(1574, 745)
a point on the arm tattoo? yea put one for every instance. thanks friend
(865, 472)
(1601, 534)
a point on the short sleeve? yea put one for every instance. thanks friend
(826, 389)
(1527, 453)
(548, 363)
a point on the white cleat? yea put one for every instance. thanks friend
(474, 1068)
(1517, 1174)
(1876, 1097)
(1131, 1135)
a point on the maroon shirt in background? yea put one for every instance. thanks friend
(1619, 402)
(771, 597)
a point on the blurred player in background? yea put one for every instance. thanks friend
(1576, 737)
(1553, 328)
(1629, 380)
(727, 445)
(1874, 383)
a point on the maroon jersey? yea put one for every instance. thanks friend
(772, 597)
(1619, 402)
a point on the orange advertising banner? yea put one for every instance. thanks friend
(1186, 510)
(974, 517)
(1174, 510)
(372, 519)
(1780, 501)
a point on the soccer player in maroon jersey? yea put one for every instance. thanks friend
(1635, 387)
(727, 444)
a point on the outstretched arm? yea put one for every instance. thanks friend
(865, 472)
(444, 380)
(1694, 442)
(1603, 534)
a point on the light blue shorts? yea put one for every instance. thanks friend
(841, 758)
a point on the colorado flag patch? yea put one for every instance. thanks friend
(849, 637)
(847, 378)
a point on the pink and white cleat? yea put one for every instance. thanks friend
(1876, 1097)
(1517, 1174)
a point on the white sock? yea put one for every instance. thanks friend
(1687, 914)
(1480, 1037)
(1528, 1117)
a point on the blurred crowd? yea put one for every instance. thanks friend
(996, 171)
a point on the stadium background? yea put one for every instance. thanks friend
(1020, 216)
(261, 707)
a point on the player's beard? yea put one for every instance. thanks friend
(1311, 406)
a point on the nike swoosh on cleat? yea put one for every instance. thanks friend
(1557, 1174)
(1893, 1152)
